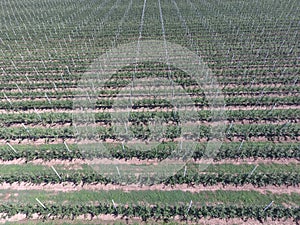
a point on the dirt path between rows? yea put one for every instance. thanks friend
(135, 161)
(111, 219)
(68, 187)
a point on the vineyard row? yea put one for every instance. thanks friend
(234, 150)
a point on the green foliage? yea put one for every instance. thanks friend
(157, 212)
(232, 150)
(192, 178)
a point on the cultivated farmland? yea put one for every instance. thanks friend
(149, 111)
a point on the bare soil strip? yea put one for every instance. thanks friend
(68, 187)
(111, 219)
(135, 161)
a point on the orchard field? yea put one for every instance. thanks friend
(58, 169)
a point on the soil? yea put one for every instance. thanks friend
(110, 219)
(78, 162)
(68, 187)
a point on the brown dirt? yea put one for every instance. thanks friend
(67, 187)
(78, 162)
(110, 219)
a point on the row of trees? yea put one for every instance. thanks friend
(243, 132)
(191, 178)
(151, 103)
(233, 150)
(156, 212)
(271, 115)
(55, 68)
(60, 90)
